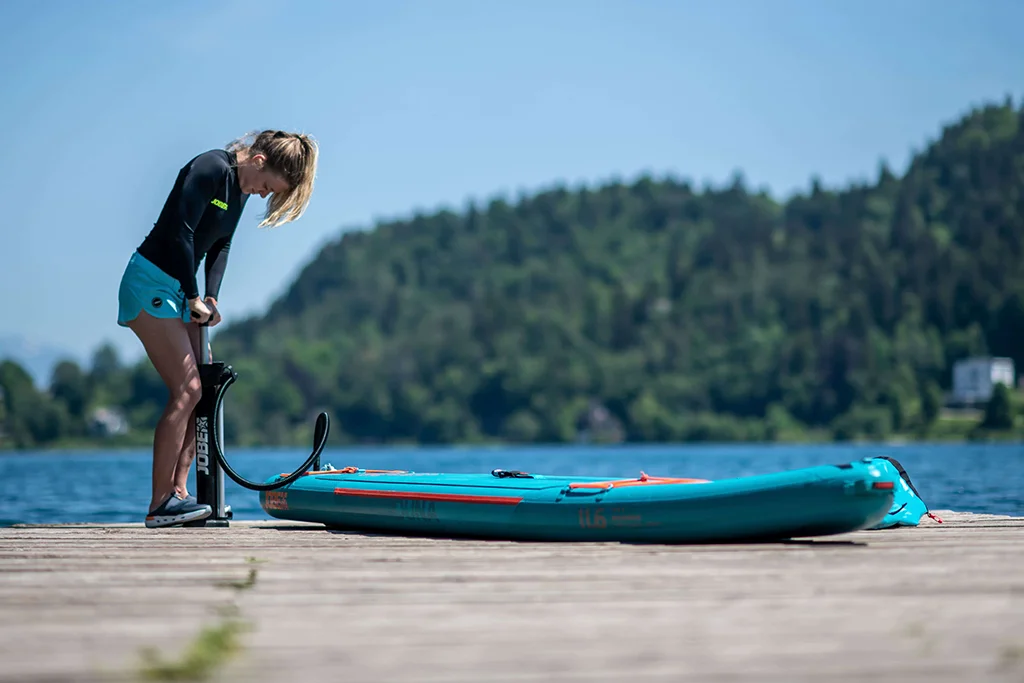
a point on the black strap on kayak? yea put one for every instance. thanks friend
(903, 473)
(507, 474)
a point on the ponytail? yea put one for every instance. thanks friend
(292, 155)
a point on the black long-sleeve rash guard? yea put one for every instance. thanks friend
(198, 220)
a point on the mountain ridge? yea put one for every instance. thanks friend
(541, 260)
(654, 310)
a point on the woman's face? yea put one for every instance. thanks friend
(255, 177)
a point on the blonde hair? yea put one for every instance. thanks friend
(294, 156)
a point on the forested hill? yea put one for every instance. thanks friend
(653, 310)
(685, 313)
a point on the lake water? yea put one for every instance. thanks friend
(97, 486)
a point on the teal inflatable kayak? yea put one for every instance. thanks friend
(815, 501)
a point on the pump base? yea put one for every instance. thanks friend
(209, 522)
(213, 520)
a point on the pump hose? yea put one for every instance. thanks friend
(320, 432)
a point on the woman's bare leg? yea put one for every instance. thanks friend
(169, 348)
(188, 447)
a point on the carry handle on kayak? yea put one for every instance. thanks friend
(570, 491)
(643, 480)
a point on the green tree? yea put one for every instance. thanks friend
(70, 386)
(999, 409)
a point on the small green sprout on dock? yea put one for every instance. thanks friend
(247, 582)
(211, 648)
(1011, 657)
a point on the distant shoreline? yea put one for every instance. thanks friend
(120, 446)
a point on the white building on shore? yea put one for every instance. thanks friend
(975, 378)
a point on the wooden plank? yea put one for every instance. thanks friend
(935, 603)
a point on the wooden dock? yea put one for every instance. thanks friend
(936, 603)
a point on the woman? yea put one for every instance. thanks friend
(159, 295)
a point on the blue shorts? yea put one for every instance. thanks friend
(144, 287)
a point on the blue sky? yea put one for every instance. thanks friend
(419, 105)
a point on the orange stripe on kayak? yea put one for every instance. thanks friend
(437, 497)
(884, 485)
